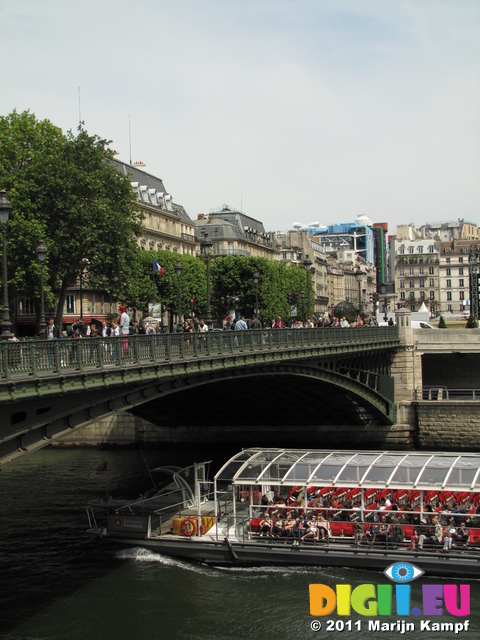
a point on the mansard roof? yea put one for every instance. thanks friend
(150, 189)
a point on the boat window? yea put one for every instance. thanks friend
(409, 470)
(257, 465)
(228, 471)
(356, 468)
(291, 467)
(464, 472)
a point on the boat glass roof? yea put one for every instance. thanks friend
(292, 467)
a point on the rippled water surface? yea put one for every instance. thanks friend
(57, 584)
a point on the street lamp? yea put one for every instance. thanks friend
(41, 252)
(256, 280)
(206, 247)
(178, 271)
(359, 278)
(307, 263)
(5, 208)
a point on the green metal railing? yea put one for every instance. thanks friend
(37, 357)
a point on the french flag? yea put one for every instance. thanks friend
(157, 267)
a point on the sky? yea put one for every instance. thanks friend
(294, 111)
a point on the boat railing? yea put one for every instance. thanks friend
(145, 502)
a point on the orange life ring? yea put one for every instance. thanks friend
(188, 527)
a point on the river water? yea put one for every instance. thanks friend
(57, 584)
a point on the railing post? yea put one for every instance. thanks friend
(78, 346)
(100, 348)
(6, 366)
(167, 346)
(33, 358)
(56, 354)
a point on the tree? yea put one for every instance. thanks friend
(234, 275)
(25, 146)
(441, 323)
(65, 191)
(471, 322)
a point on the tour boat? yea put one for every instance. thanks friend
(414, 501)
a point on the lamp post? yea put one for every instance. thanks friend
(307, 263)
(256, 280)
(178, 271)
(5, 208)
(206, 247)
(359, 278)
(41, 252)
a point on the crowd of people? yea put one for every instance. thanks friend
(383, 524)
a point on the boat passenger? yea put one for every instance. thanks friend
(371, 533)
(288, 526)
(461, 535)
(324, 530)
(278, 525)
(265, 525)
(396, 532)
(430, 534)
(312, 529)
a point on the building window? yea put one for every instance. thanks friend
(460, 260)
(447, 260)
(432, 295)
(402, 284)
(449, 295)
(432, 282)
(464, 250)
(449, 271)
(412, 271)
(421, 271)
(412, 284)
(449, 308)
(460, 282)
(401, 249)
(230, 249)
(461, 295)
(402, 295)
(27, 307)
(449, 284)
(412, 295)
(420, 249)
(422, 283)
(402, 272)
(431, 271)
(411, 249)
(70, 303)
(431, 249)
(422, 295)
(460, 271)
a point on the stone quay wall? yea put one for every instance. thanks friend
(449, 426)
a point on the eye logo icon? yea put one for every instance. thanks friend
(402, 572)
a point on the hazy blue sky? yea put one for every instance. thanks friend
(298, 111)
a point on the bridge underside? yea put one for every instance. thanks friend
(277, 394)
(268, 400)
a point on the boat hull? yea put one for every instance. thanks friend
(229, 553)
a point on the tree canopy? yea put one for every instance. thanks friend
(63, 190)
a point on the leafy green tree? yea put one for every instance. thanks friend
(26, 145)
(233, 275)
(441, 323)
(65, 192)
